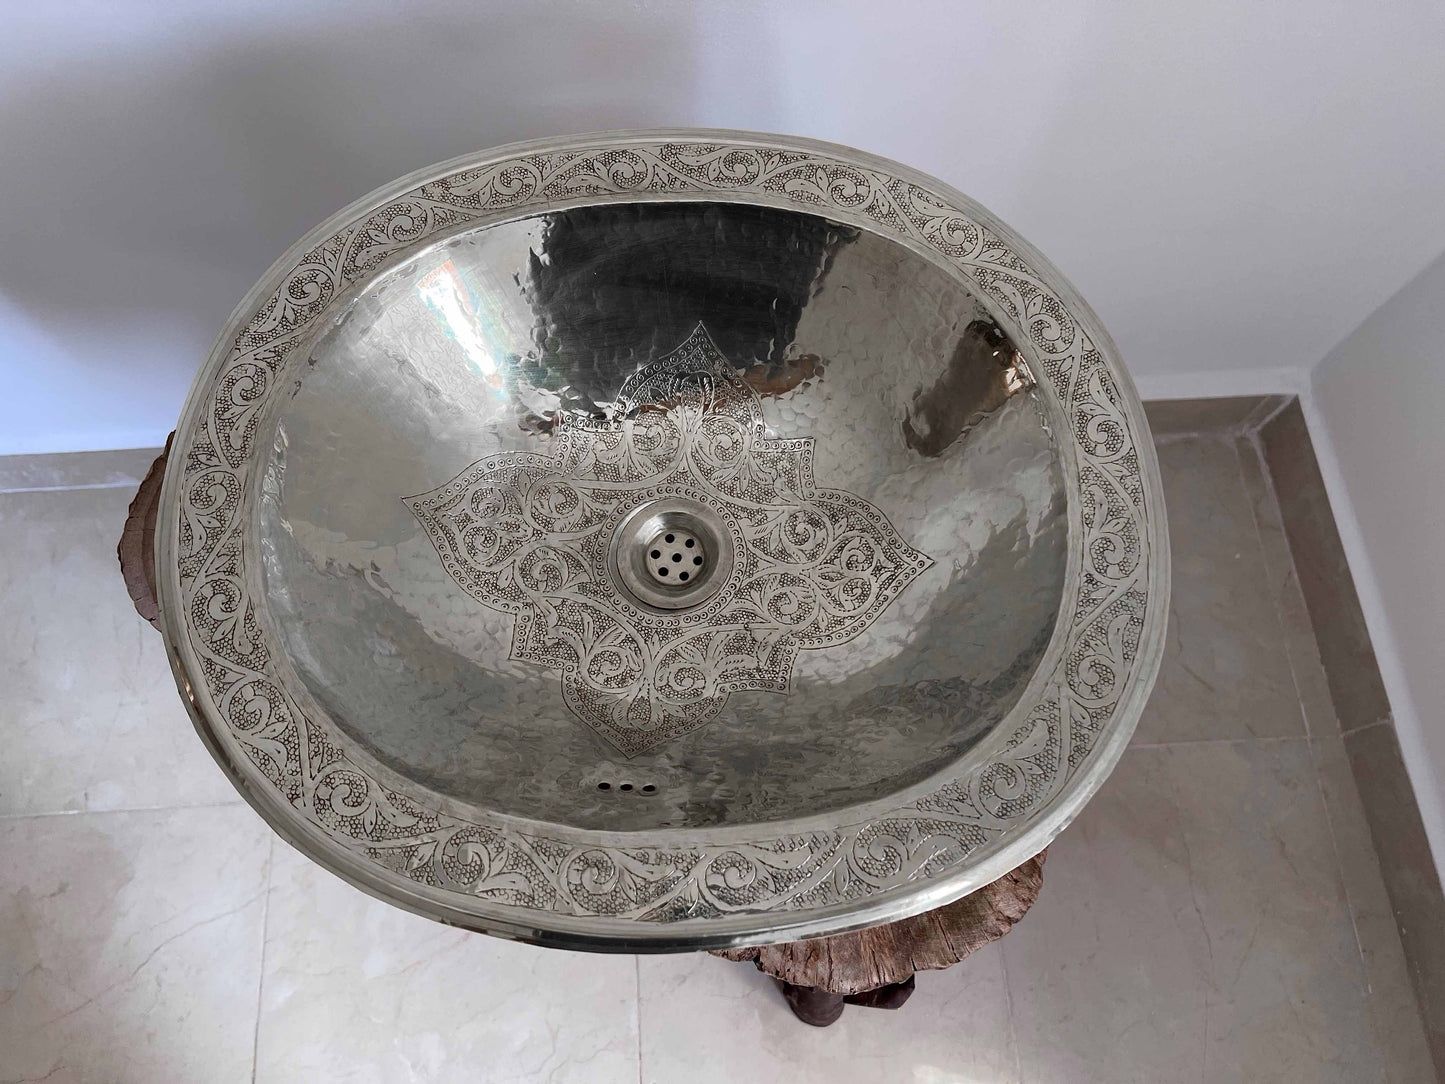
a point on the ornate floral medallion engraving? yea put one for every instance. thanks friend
(529, 534)
(498, 876)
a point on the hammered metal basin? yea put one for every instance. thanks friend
(664, 540)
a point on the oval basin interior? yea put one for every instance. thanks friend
(884, 483)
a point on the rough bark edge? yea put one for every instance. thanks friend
(137, 547)
(852, 963)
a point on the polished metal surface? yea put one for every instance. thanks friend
(670, 554)
(664, 541)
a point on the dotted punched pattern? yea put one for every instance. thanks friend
(486, 867)
(527, 534)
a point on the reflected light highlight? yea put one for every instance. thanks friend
(448, 296)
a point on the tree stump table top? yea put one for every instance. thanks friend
(864, 960)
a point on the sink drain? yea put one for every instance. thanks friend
(671, 554)
(675, 556)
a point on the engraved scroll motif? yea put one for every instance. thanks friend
(528, 534)
(1110, 636)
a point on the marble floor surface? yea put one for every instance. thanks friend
(1215, 914)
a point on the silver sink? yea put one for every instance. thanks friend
(664, 540)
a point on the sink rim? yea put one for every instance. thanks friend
(907, 892)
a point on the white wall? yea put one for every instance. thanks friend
(1378, 414)
(1234, 185)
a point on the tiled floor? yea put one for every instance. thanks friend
(1216, 913)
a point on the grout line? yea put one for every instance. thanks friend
(1185, 742)
(261, 975)
(66, 489)
(1013, 1035)
(1387, 720)
(1265, 411)
(1226, 435)
(636, 1010)
(1279, 616)
(1315, 760)
(238, 800)
(1252, 429)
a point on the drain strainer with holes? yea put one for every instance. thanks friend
(671, 554)
(675, 556)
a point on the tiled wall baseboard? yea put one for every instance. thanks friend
(1276, 426)
(75, 470)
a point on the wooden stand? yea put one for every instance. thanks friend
(138, 541)
(873, 968)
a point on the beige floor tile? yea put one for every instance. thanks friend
(1216, 913)
(1225, 672)
(130, 945)
(357, 990)
(1297, 632)
(90, 717)
(1193, 927)
(1400, 1035)
(708, 1020)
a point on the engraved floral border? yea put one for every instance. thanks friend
(496, 863)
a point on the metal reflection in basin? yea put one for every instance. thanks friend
(643, 571)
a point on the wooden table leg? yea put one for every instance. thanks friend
(811, 1005)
